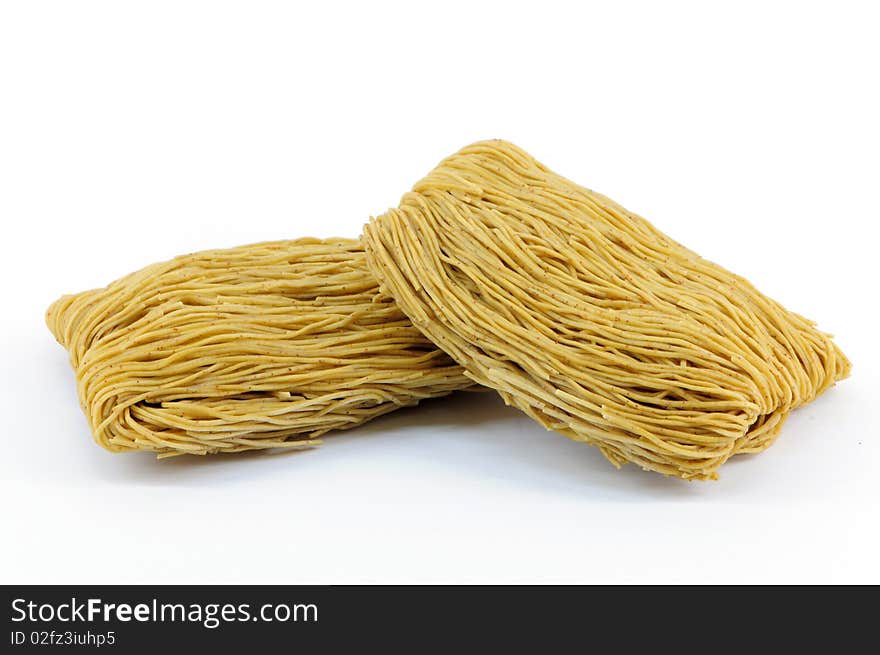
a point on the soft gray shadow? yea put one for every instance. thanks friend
(468, 432)
(493, 440)
(473, 432)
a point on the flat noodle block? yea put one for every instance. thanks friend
(590, 320)
(263, 346)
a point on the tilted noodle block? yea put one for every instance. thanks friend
(261, 346)
(590, 320)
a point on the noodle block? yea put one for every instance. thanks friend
(262, 346)
(590, 320)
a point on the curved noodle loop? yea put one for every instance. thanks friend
(590, 320)
(262, 346)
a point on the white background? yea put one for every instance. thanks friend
(133, 132)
